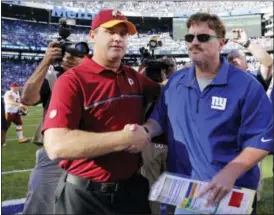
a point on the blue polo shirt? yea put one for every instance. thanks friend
(216, 125)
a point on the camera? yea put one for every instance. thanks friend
(154, 42)
(75, 49)
(155, 69)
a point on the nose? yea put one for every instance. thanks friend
(234, 61)
(195, 40)
(117, 37)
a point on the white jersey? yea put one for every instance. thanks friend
(15, 97)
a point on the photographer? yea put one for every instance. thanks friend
(155, 155)
(46, 173)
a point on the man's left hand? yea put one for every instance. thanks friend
(242, 36)
(218, 188)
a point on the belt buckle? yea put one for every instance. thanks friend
(109, 187)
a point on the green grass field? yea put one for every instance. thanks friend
(17, 156)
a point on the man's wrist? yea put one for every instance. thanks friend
(46, 62)
(234, 170)
(146, 129)
(246, 44)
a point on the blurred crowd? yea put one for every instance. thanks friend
(35, 34)
(163, 7)
(17, 70)
(14, 33)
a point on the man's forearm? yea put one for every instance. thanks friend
(31, 89)
(260, 54)
(153, 127)
(263, 58)
(248, 158)
(76, 144)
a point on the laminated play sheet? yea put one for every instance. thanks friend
(182, 191)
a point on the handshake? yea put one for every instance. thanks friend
(137, 137)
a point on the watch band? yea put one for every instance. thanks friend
(247, 43)
(146, 129)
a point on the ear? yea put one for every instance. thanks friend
(222, 43)
(92, 35)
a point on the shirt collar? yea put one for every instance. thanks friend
(96, 68)
(220, 79)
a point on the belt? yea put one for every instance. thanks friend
(108, 187)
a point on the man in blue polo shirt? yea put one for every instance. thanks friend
(221, 114)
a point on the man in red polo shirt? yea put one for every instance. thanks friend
(86, 126)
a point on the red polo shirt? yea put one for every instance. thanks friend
(91, 98)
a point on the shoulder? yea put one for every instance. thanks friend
(179, 75)
(8, 93)
(67, 79)
(244, 84)
(237, 75)
(129, 69)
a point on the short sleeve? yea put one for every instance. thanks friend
(256, 128)
(66, 104)
(7, 94)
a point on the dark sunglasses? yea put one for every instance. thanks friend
(201, 37)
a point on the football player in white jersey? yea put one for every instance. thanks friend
(12, 107)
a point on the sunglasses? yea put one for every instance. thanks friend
(201, 37)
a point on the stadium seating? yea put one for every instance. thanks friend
(161, 7)
(14, 33)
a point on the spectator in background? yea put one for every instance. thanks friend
(155, 155)
(46, 173)
(12, 108)
(238, 58)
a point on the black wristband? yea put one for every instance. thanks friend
(247, 43)
(146, 129)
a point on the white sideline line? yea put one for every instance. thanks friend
(25, 125)
(31, 119)
(11, 139)
(15, 171)
(13, 202)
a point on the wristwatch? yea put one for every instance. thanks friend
(247, 43)
(146, 129)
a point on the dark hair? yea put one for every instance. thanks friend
(213, 21)
(171, 63)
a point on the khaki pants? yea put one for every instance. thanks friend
(260, 185)
(38, 138)
(154, 158)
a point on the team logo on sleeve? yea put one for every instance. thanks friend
(218, 103)
(130, 81)
(52, 114)
(264, 140)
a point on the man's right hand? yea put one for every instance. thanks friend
(137, 138)
(52, 53)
